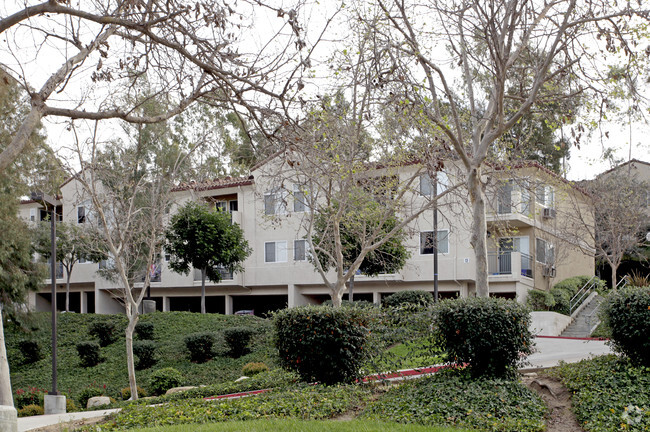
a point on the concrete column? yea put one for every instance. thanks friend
(54, 404)
(295, 297)
(376, 298)
(148, 306)
(228, 304)
(165, 304)
(8, 419)
(83, 302)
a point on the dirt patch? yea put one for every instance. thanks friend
(560, 417)
(70, 426)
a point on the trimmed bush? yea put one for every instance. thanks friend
(488, 333)
(539, 300)
(408, 297)
(30, 410)
(145, 350)
(237, 339)
(250, 369)
(89, 353)
(104, 331)
(126, 393)
(70, 406)
(200, 346)
(346, 303)
(144, 330)
(627, 313)
(31, 351)
(164, 379)
(321, 343)
(86, 394)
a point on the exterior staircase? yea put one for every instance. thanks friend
(585, 320)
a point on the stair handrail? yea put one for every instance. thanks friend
(622, 283)
(582, 294)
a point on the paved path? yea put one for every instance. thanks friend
(549, 353)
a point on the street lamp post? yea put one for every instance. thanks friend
(54, 402)
(435, 237)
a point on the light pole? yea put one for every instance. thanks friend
(54, 402)
(435, 237)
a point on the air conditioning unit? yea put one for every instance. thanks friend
(549, 213)
(548, 271)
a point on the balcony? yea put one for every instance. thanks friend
(226, 274)
(506, 263)
(513, 207)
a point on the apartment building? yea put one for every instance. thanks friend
(527, 246)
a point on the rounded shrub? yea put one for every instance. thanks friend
(88, 353)
(539, 300)
(70, 406)
(408, 297)
(88, 393)
(144, 330)
(30, 410)
(322, 343)
(104, 331)
(31, 351)
(200, 346)
(627, 314)
(31, 396)
(164, 379)
(487, 333)
(237, 339)
(254, 368)
(126, 393)
(346, 303)
(145, 350)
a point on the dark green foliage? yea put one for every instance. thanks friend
(104, 331)
(558, 299)
(30, 410)
(144, 330)
(455, 398)
(608, 392)
(145, 350)
(89, 354)
(31, 396)
(200, 346)
(164, 379)
(488, 333)
(408, 297)
(322, 343)
(31, 350)
(88, 393)
(202, 238)
(627, 314)
(237, 339)
(254, 368)
(356, 303)
(306, 402)
(539, 300)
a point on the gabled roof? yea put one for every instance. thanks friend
(217, 183)
(617, 167)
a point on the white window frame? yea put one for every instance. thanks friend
(425, 179)
(32, 214)
(545, 196)
(279, 203)
(549, 249)
(439, 251)
(306, 249)
(280, 251)
(298, 191)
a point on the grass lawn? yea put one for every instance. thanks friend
(302, 426)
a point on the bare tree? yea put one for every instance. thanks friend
(188, 49)
(457, 62)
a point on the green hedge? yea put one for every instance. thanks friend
(322, 343)
(237, 339)
(145, 350)
(199, 346)
(164, 379)
(104, 331)
(412, 297)
(89, 354)
(627, 314)
(558, 299)
(488, 333)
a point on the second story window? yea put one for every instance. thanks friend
(544, 251)
(82, 213)
(274, 203)
(299, 199)
(427, 186)
(32, 214)
(300, 248)
(545, 196)
(504, 198)
(275, 251)
(426, 242)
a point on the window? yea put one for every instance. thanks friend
(504, 198)
(82, 213)
(221, 206)
(545, 196)
(300, 250)
(233, 206)
(32, 214)
(544, 251)
(274, 203)
(299, 199)
(275, 251)
(426, 242)
(82, 261)
(525, 197)
(426, 183)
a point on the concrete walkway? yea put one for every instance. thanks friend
(550, 351)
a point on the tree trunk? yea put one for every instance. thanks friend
(351, 290)
(614, 277)
(479, 231)
(336, 293)
(132, 314)
(203, 272)
(6, 397)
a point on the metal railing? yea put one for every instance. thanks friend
(582, 294)
(526, 265)
(499, 263)
(225, 274)
(592, 318)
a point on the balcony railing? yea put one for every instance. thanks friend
(500, 263)
(225, 274)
